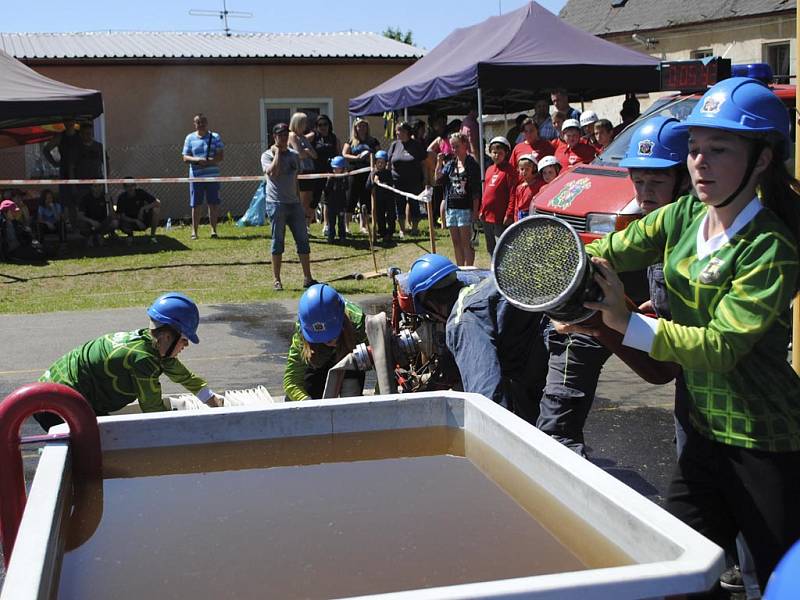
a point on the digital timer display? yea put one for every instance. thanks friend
(693, 75)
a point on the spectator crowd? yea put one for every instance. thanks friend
(442, 154)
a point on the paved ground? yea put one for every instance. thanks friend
(629, 430)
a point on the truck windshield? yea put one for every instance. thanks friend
(678, 107)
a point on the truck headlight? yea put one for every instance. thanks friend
(603, 223)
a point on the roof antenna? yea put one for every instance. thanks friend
(223, 15)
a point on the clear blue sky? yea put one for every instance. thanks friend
(429, 20)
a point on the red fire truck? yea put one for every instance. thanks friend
(598, 198)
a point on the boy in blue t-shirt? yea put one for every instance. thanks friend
(203, 150)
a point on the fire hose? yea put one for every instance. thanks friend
(384, 351)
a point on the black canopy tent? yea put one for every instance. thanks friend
(509, 61)
(29, 100)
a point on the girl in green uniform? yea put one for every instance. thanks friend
(731, 269)
(328, 328)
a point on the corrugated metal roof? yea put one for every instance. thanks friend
(183, 45)
(600, 17)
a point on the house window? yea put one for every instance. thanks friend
(702, 53)
(777, 57)
(280, 110)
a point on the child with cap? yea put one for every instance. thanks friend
(573, 150)
(587, 121)
(496, 209)
(549, 168)
(328, 328)
(116, 369)
(336, 189)
(384, 199)
(16, 239)
(529, 185)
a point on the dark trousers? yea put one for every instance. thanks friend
(59, 227)
(573, 368)
(438, 196)
(315, 378)
(336, 216)
(68, 197)
(357, 194)
(384, 213)
(720, 490)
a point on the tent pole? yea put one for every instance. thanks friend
(796, 307)
(480, 135)
(405, 114)
(105, 145)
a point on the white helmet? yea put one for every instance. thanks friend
(570, 123)
(500, 140)
(529, 157)
(548, 161)
(588, 117)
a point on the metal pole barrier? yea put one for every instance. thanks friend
(371, 220)
(84, 438)
(480, 136)
(104, 141)
(431, 230)
(796, 308)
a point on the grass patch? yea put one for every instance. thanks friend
(233, 268)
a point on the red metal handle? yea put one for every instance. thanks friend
(84, 440)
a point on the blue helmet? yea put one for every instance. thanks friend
(742, 105)
(425, 273)
(783, 583)
(177, 311)
(321, 313)
(339, 162)
(657, 144)
(381, 155)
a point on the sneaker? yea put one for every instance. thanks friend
(324, 232)
(731, 580)
(401, 234)
(308, 283)
(415, 232)
(277, 286)
(213, 235)
(194, 236)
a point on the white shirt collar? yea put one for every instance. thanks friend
(706, 247)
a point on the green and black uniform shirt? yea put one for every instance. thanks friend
(296, 365)
(731, 320)
(116, 369)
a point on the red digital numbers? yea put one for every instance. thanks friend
(689, 75)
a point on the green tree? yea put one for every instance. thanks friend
(397, 34)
